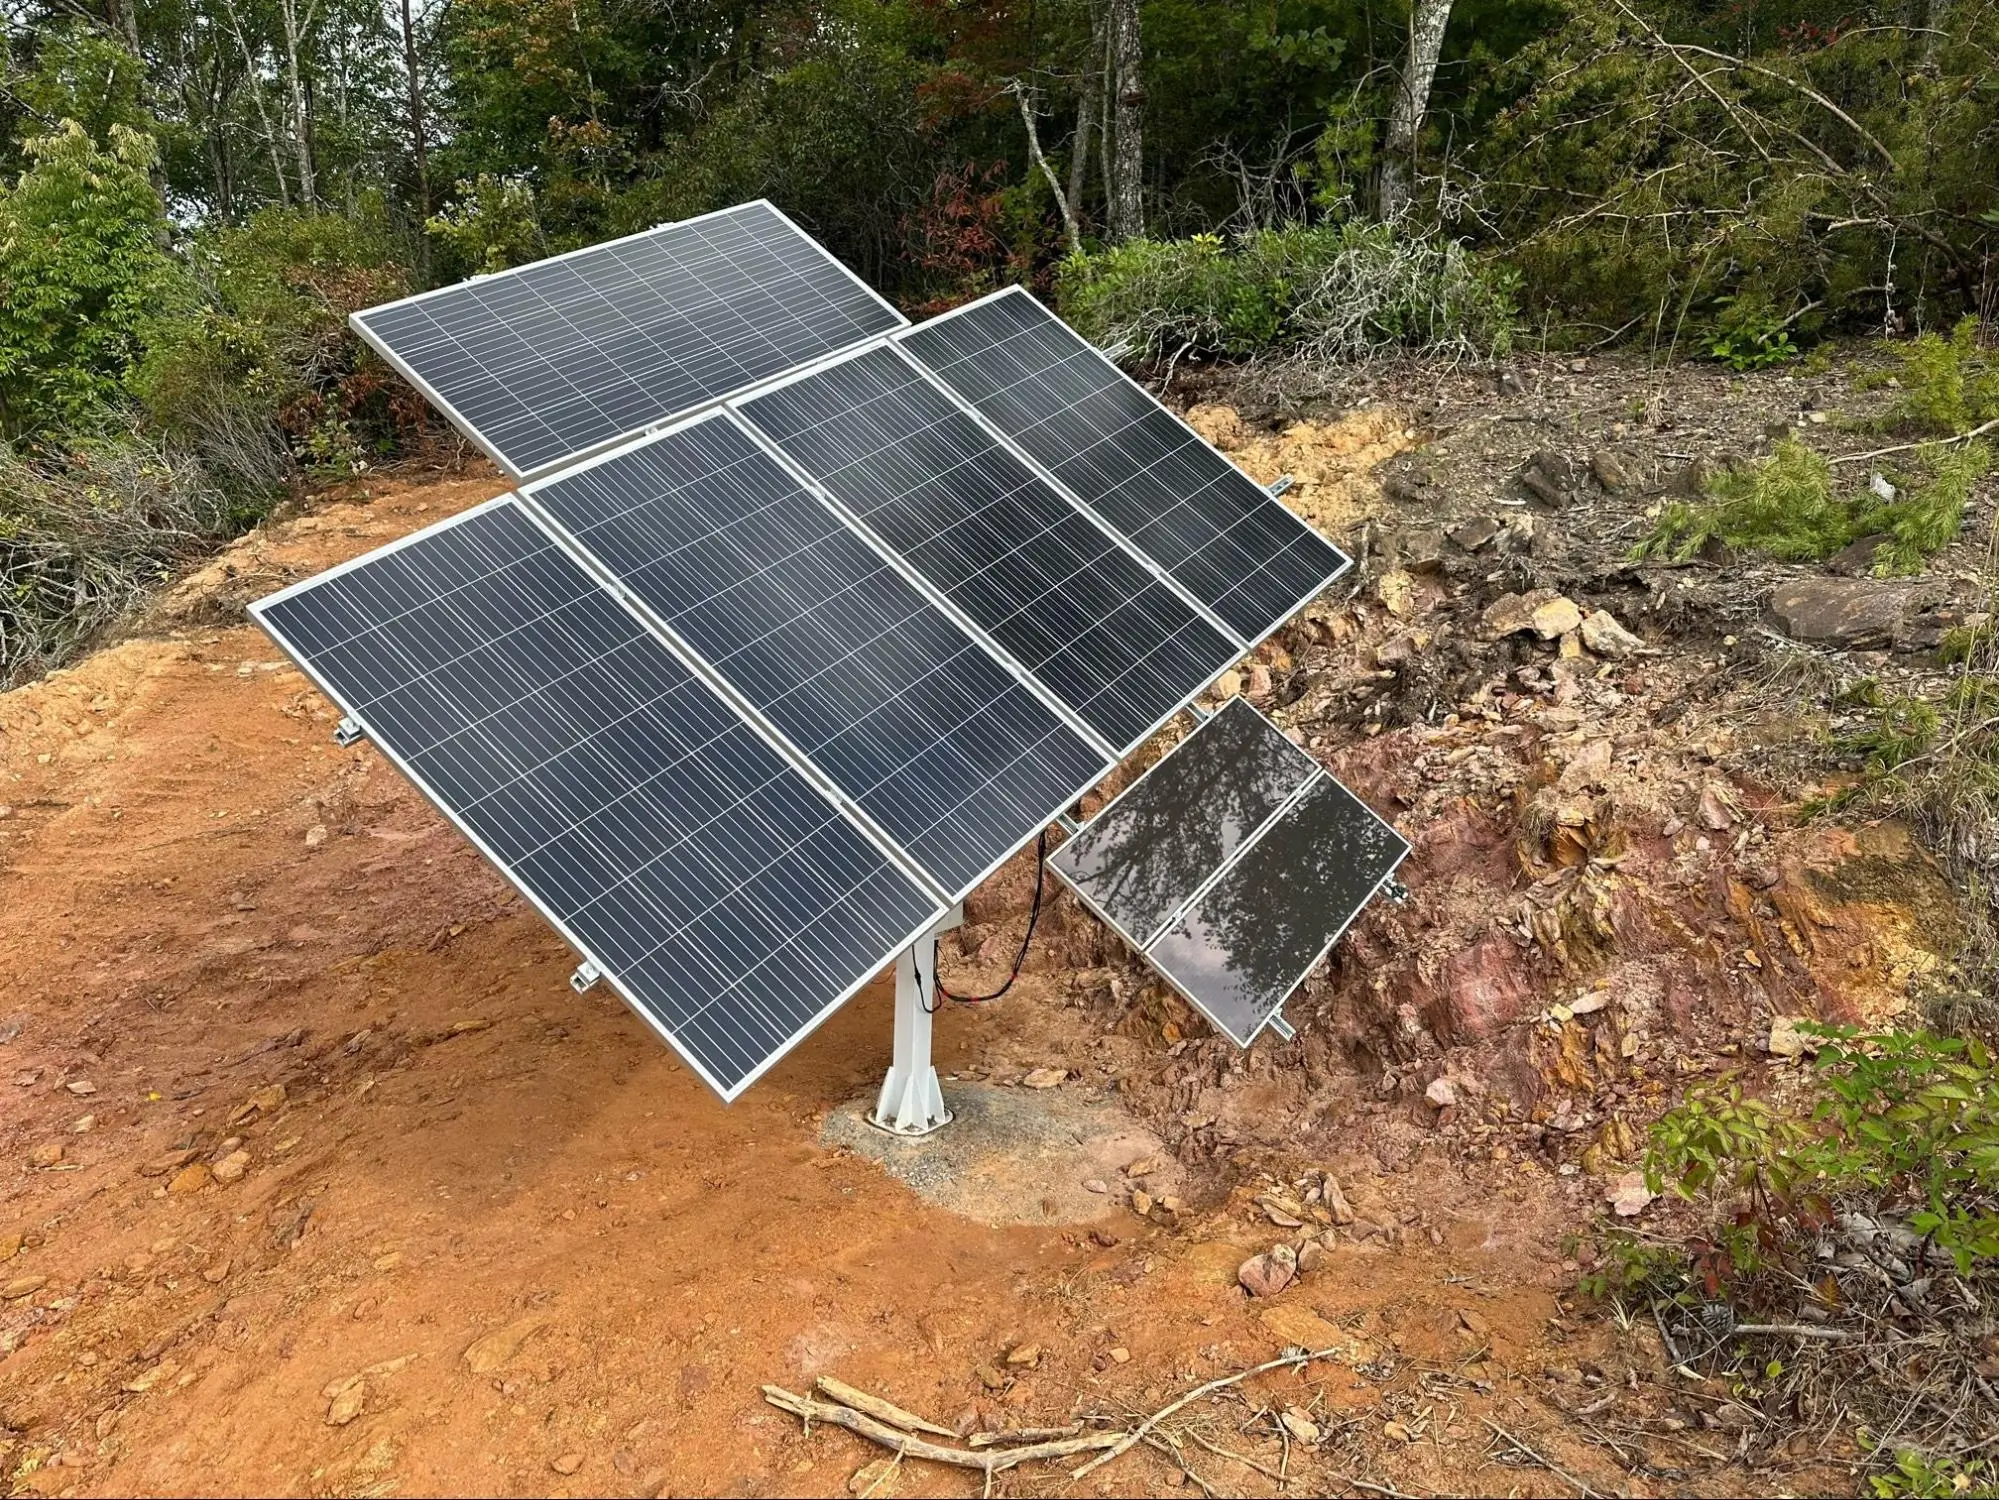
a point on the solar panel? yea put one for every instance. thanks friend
(1146, 854)
(1050, 586)
(1212, 527)
(946, 750)
(723, 896)
(1242, 947)
(558, 358)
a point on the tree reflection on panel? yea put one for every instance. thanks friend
(1250, 941)
(1148, 852)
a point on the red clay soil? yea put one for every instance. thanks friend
(346, 1119)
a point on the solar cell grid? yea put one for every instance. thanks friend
(951, 755)
(1215, 530)
(722, 895)
(557, 358)
(1046, 583)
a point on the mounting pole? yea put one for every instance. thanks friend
(911, 1103)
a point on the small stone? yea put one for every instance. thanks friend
(347, 1403)
(1787, 1041)
(1474, 534)
(1301, 1427)
(1556, 618)
(1859, 614)
(22, 1286)
(1713, 811)
(315, 836)
(10, 1245)
(1268, 1274)
(1396, 590)
(1550, 478)
(216, 1274)
(1121, 1355)
(390, 1261)
(1145, 1166)
(1229, 684)
(1396, 652)
(173, 1161)
(264, 1101)
(48, 1154)
(1096, 1185)
(1856, 559)
(1614, 470)
(1023, 1356)
(1628, 1195)
(1310, 1256)
(486, 1354)
(991, 1378)
(84, 1125)
(232, 1167)
(1603, 635)
(83, 1088)
(190, 1179)
(1442, 1093)
(1336, 1202)
(1141, 1202)
(1045, 1078)
(569, 1463)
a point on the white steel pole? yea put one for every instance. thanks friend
(911, 1102)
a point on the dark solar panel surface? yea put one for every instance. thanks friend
(956, 759)
(1216, 531)
(1141, 858)
(1089, 620)
(724, 895)
(550, 359)
(1250, 940)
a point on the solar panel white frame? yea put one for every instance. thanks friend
(479, 439)
(736, 403)
(1249, 643)
(754, 716)
(409, 774)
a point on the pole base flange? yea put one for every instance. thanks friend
(910, 1107)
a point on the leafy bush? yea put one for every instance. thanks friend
(86, 537)
(495, 223)
(1332, 292)
(84, 273)
(1785, 507)
(1950, 385)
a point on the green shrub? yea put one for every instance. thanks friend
(1334, 292)
(1949, 385)
(1926, 516)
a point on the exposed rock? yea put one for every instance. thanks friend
(1557, 617)
(486, 1354)
(1335, 1201)
(173, 1161)
(1715, 814)
(1603, 635)
(1310, 1255)
(1519, 535)
(10, 1245)
(1421, 551)
(1045, 1078)
(1857, 558)
(1787, 1041)
(190, 1179)
(1397, 592)
(1268, 1274)
(1855, 613)
(1476, 533)
(347, 1403)
(1483, 989)
(1614, 469)
(1628, 1195)
(232, 1166)
(1301, 1427)
(1441, 1093)
(1550, 477)
(48, 1154)
(1396, 652)
(22, 1286)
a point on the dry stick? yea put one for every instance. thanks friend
(1242, 1458)
(991, 1462)
(1286, 1362)
(1962, 437)
(1555, 1469)
(1796, 1330)
(1154, 1440)
(1363, 1484)
(1020, 1435)
(886, 1411)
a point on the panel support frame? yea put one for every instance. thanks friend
(911, 1101)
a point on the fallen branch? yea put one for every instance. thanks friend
(988, 1462)
(1022, 1435)
(1962, 437)
(886, 1411)
(1559, 1472)
(1796, 1330)
(1124, 1443)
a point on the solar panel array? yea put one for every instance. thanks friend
(1232, 867)
(1054, 590)
(949, 753)
(551, 360)
(807, 623)
(1212, 527)
(728, 899)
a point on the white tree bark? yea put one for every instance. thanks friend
(1089, 93)
(1025, 95)
(1427, 20)
(298, 31)
(1128, 184)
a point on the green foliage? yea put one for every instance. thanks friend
(1907, 1114)
(1949, 385)
(84, 274)
(79, 73)
(1917, 1476)
(1785, 507)
(495, 223)
(1750, 335)
(1333, 291)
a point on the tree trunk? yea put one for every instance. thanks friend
(1128, 201)
(1427, 20)
(419, 143)
(1088, 92)
(296, 33)
(1069, 226)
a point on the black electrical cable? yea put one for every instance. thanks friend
(936, 987)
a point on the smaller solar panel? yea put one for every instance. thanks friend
(1145, 855)
(1214, 529)
(953, 756)
(720, 893)
(551, 360)
(1247, 942)
(1057, 593)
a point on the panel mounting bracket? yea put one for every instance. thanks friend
(1283, 1029)
(1395, 891)
(586, 976)
(348, 732)
(1278, 485)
